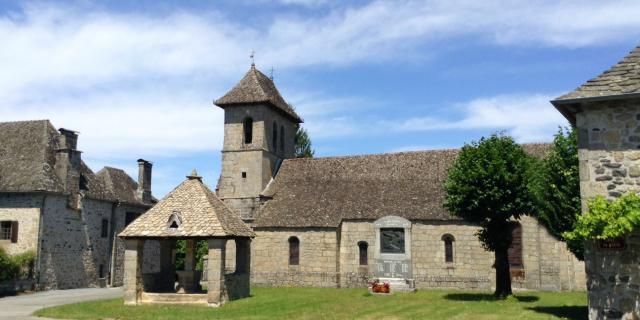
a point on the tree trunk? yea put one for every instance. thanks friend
(503, 275)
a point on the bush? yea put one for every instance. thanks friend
(18, 266)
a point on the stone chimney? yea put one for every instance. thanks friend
(144, 180)
(67, 168)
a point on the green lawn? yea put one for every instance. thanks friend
(315, 303)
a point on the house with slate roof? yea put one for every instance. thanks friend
(53, 204)
(342, 221)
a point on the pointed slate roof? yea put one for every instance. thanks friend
(255, 87)
(623, 78)
(200, 213)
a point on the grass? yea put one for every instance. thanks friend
(317, 303)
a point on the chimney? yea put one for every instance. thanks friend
(67, 165)
(144, 180)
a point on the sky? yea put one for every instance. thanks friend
(138, 79)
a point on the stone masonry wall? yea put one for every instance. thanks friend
(25, 209)
(152, 249)
(548, 264)
(72, 246)
(609, 154)
(270, 258)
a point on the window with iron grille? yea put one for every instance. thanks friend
(448, 247)
(294, 251)
(363, 246)
(5, 230)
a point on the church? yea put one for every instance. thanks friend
(343, 221)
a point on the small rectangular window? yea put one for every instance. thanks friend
(5, 230)
(129, 217)
(104, 232)
(392, 240)
(101, 271)
(244, 175)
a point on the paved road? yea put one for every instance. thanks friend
(21, 307)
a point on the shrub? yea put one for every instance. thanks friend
(18, 266)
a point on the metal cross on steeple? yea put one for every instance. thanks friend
(253, 61)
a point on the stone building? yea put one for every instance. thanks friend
(341, 221)
(606, 113)
(52, 204)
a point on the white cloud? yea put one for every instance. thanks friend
(154, 76)
(528, 118)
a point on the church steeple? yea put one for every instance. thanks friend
(259, 132)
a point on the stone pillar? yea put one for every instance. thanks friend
(188, 279)
(133, 283)
(608, 141)
(166, 279)
(215, 269)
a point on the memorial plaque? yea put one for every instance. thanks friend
(393, 248)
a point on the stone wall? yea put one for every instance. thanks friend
(25, 209)
(257, 160)
(318, 253)
(117, 266)
(609, 142)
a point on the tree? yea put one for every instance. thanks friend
(557, 189)
(303, 144)
(488, 185)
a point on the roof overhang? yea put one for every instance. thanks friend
(569, 107)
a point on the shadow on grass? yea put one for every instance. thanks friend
(564, 312)
(485, 297)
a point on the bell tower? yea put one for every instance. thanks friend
(259, 132)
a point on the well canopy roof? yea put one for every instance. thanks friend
(623, 78)
(197, 211)
(322, 192)
(255, 87)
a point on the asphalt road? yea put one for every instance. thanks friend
(21, 307)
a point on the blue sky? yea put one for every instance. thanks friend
(137, 78)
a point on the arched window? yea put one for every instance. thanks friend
(274, 137)
(515, 250)
(294, 251)
(363, 246)
(448, 247)
(282, 138)
(248, 130)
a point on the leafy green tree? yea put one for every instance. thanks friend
(557, 189)
(202, 248)
(303, 144)
(488, 185)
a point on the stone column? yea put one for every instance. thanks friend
(133, 283)
(189, 259)
(215, 269)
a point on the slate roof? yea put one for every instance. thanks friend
(201, 212)
(321, 192)
(27, 157)
(27, 162)
(255, 87)
(622, 78)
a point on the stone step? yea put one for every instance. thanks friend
(399, 284)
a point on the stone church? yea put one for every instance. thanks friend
(54, 205)
(341, 221)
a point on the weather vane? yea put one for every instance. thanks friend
(253, 61)
(271, 76)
